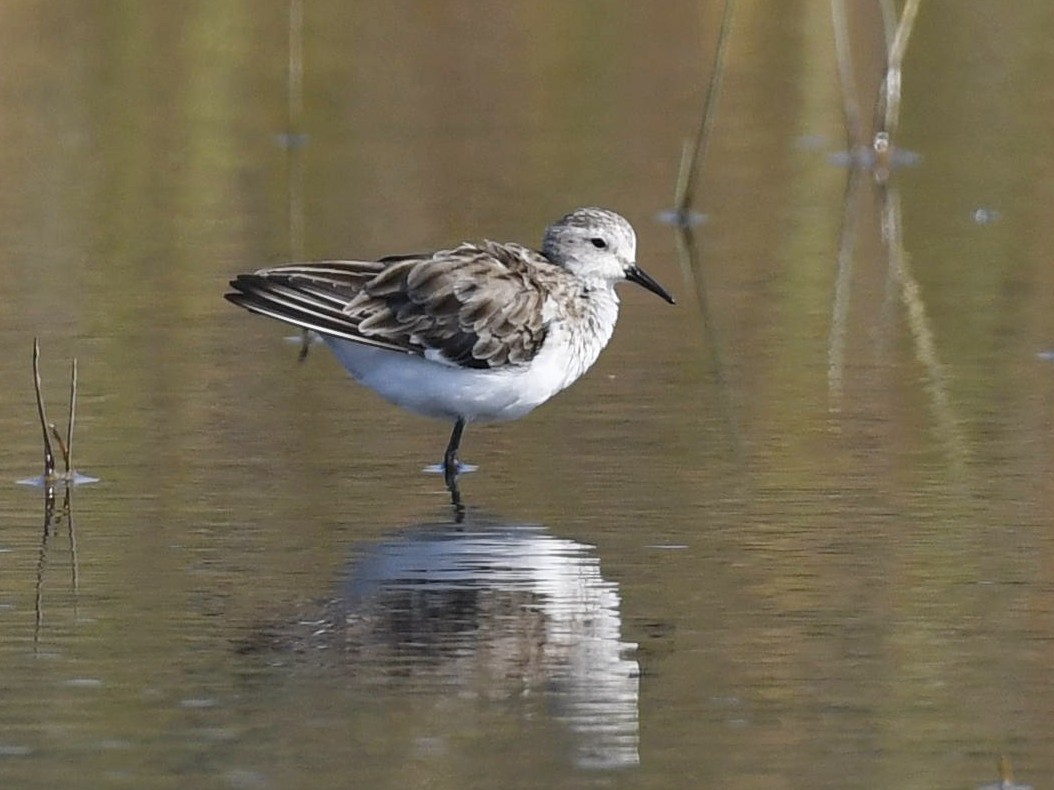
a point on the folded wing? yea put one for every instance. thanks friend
(477, 306)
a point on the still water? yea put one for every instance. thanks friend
(794, 532)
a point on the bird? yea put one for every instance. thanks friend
(484, 331)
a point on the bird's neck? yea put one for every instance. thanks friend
(599, 312)
(600, 303)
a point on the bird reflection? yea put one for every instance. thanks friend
(500, 610)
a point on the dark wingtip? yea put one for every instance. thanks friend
(244, 286)
(234, 296)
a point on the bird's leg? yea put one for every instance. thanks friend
(451, 466)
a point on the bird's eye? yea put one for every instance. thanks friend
(598, 242)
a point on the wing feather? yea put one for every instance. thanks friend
(476, 306)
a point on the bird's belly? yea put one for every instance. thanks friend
(434, 389)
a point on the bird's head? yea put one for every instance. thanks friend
(598, 245)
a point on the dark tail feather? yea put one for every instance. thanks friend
(277, 297)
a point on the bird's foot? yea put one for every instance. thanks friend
(459, 468)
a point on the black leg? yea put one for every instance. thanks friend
(450, 462)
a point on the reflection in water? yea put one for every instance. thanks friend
(684, 219)
(51, 522)
(900, 283)
(498, 610)
(880, 158)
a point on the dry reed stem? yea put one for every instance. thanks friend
(695, 152)
(854, 123)
(891, 85)
(67, 450)
(49, 455)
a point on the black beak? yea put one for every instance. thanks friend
(637, 275)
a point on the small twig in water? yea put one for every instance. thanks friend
(49, 455)
(51, 433)
(63, 447)
(67, 449)
(889, 98)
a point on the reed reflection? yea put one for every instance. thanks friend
(53, 518)
(879, 157)
(496, 610)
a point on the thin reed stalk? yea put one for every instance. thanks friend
(889, 99)
(68, 449)
(695, 151)
(49, 454)
(854, 119)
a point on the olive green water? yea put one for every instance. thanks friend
(794, 532)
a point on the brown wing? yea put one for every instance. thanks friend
(476, 306)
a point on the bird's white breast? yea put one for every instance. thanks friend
(441, 390)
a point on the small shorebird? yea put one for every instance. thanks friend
(481, 332)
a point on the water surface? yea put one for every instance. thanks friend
(794, 532)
